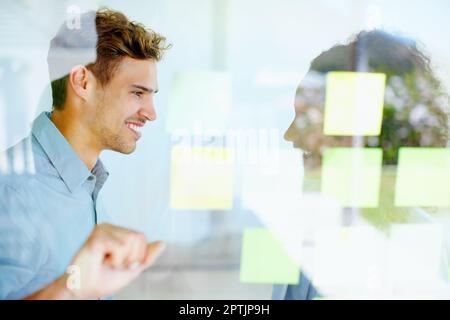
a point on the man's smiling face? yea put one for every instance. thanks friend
(123, 106)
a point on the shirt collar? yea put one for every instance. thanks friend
(72, 170)
(100, 172)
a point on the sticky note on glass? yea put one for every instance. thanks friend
(354, 103)
(352, 176)
(423, 177)
(199, 101)
(201, 178)
(264, 260)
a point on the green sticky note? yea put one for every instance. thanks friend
(352, 176)
(423, 177)
(264, 260)
(354, 103)
(199, 100)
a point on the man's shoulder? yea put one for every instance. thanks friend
(18, 168)
(15, 194)
(16, 185)
(19, 189)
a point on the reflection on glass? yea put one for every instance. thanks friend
(348, 260)
(354, 103)
(264, 260)
(199, 100)
(264, 189)
(423, 178)
(352, 176)
(415, 258)
(201, 178)
(358, 262)
(18, 159)
(29, 157)
(3, 164)
(377, 81)
(3, 132)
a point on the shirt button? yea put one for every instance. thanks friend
(91, 178)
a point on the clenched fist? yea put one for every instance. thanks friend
(110, 259)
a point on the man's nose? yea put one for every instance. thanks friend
(148, 111)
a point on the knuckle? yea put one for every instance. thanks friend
(141, 237)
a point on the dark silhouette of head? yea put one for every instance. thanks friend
(415, 110)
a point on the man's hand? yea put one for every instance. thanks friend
(110, 259)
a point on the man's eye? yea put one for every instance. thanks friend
(138, 93)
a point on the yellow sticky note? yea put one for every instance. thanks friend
(201, 178)
(352, 176)
(199, 100)
(423, 177)
(264, 260)
(354, 103)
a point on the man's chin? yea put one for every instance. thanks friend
(129, 150)
(125, 149)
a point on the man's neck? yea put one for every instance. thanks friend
(78, 137)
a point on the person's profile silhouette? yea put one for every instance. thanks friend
(414, 114)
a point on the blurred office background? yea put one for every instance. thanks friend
(233, 69)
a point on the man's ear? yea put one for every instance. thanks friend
(78, 80)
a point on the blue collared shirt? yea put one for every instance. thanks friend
(49, 204)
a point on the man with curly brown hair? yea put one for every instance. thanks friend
(103, 77)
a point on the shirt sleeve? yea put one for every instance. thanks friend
(20, 254)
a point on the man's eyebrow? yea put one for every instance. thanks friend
(143, 88)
